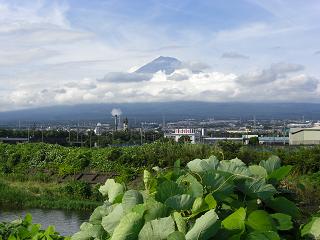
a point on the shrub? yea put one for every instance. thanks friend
(78, 189)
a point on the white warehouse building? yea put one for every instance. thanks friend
(193, 134)
(304, 136)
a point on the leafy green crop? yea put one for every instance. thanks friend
(209, 199)
(23, 229)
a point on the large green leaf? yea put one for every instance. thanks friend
(111, 221)
(271, 164)
(167, 189)
(176, 236)
(80, 236)
(266, 235)
(210, 201)
(199, 205)
(260, 220)
(235, 167)
(235, 221)
(111, 189)
(154, 209)
(257, 188)
(203, 165)
(157, 229)
(100, 212)
(258, 171)
(147, 179)
(283, 221)
(280, 173)
(180, 202)
(130, 199)
(180, 222)
(129, 227)
(88, 231)
(205, 227)
(192, 185)
(197, 165)
(283, 205)
(216, 182)
(312, 229)
(212, 162)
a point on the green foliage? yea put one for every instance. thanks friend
(312, 229)
(254, 141)
(71, 196)
(209, 199)
(30, 158)
(23, 229)
(184, 139)
(78, 189)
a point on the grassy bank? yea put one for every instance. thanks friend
(29, 173)
(38, 158)
(35, 194)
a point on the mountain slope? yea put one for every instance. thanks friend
(171, 110)
(166, 64)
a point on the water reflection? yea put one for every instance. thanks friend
(66, 222)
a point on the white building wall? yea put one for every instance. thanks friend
(307, 136)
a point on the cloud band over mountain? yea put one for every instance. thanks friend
(279, 82)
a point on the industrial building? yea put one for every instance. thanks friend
(273, 140)
(193, 134)
(304, 136)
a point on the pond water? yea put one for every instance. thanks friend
(66, 222)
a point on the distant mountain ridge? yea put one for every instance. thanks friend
(170, 110)
(165, 64)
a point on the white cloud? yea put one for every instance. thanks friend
(269, 75)
(234, 55)
(279, 82)
(47, 59)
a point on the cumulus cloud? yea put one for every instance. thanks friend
(123, 77)
(234, 55)
(180, 75)
(269, 75)
(280, 82)
(85, 84)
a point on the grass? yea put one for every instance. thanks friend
(33, 194)
(307, 191)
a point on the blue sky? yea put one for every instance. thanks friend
(55, 52)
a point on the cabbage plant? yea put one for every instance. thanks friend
(208, 199)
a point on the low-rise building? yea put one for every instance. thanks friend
(193, 134)
(304, 136)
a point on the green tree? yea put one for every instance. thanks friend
(184, 139)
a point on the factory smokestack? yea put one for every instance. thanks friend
(116, 113)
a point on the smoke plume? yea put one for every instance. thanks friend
(116, 111)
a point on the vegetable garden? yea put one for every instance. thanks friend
(207, 199)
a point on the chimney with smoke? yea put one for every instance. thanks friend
(116, 113)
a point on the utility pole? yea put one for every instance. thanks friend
(141, 135)
(163, 122)
(78, 132)
(41, 134)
